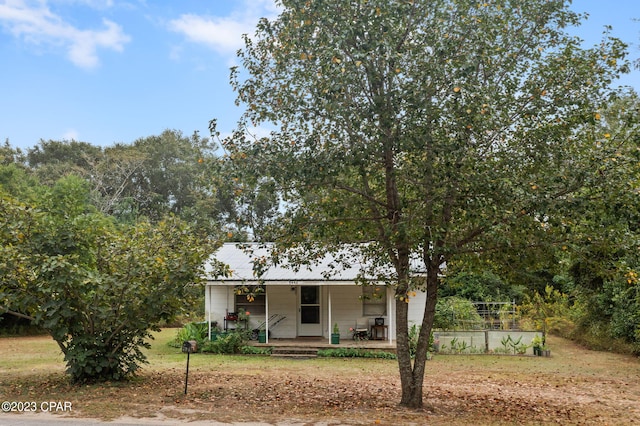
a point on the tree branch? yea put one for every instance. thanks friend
(17, 314)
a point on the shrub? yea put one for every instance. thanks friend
(231, 343)
(197, 331)
(354, 353)
(456, 313)
(255, 350)
(550, 312)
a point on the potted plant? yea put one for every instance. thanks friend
(262, 335)
(335, 336)
(536, 342)
(545, 351)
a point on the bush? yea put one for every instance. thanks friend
(354, 353)
(231, 343)
(550, 312)
(255, 350)
(456, 313)
(198, 331)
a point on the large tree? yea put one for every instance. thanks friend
(424, 129)
(152, 177)
(97, 287)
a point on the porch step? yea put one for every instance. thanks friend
(294, 352)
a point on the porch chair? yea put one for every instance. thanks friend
(361, 330)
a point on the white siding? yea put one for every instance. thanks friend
(346, 309)
(416, 308)
(415, 314)
(218, 301)
(283, 301)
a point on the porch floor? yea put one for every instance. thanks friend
(323, 343)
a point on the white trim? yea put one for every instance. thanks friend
(207, 304)
(390, 315)
(329, 316)
(266, 318)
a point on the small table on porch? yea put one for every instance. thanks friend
(379, 332)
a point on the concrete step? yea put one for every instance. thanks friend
(294, 352)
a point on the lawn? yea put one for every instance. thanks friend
(574, 386)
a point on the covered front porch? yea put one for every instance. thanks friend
(309, 312)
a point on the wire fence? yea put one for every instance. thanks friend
(491, 316)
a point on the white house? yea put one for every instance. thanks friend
(302, 303)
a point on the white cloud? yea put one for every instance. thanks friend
(221, 34)
(224, 34)
(36, 24)
(96, 4)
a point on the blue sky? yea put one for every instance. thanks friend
(108, 71)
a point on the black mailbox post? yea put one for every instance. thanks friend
(188, 346)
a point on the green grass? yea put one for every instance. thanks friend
(30, 354)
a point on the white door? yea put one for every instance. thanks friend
(309, 321)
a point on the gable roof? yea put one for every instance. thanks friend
(241, 261)
(240, 257)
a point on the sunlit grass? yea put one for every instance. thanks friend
(30, 354)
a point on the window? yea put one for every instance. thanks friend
(374, 300)
(256, 307)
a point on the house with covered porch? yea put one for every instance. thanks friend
(308, 301)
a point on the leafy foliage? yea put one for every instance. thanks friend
(97, 288)
(510, 344)
(456, 313)
(482, 286)
(230, 343)
(414, 334)
(197, 331)
(354, 353)
(550, 312)
(256, 350)
(426, 129)
(152, 177)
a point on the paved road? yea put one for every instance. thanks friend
(49, 419)
(53, 420)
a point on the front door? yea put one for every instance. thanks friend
(309, 323)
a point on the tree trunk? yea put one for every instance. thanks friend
(412, 377)
(402, 349)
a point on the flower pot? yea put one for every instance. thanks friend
(546, 352)
(537, 351)
(335, 338)
(262, 336)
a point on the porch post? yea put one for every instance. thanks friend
(266, 314)
(207, 303)
(390, 317)
(329, 313)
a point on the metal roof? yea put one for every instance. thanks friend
(241, 261)
(241, 257)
